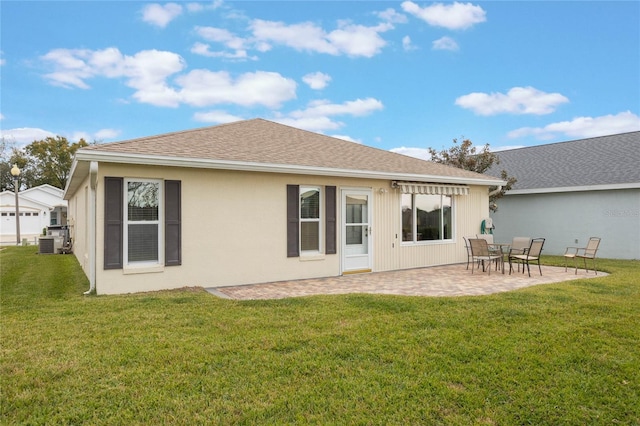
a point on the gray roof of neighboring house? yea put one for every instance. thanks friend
(605, 161)
(262, 145)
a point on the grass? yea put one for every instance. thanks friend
(552, 354)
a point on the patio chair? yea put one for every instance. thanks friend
(467, 245)
(480, 253)
(588, 252)
(494, 249)
(519, 245)
(487, 237)
(532, 254)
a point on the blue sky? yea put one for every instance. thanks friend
(400, 76)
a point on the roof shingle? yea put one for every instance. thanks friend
(605, 160)
(265, 142)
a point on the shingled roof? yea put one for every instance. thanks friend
(606, 162)
(262, 145)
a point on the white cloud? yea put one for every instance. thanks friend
(221, 35)
(203, 87)
(359, 40)
(390, 15)
(519, 100)
(313, 123)
(583, 127)
(456, 16)
(420, 153)
(406, 43)
(203, 49)
(195, 7)
(305, 36)
(349, 39)
(106, 134)
(359, 107)
(317, 116)
(160, 16)
(1, 116)
(317, 80)
(216, 116)
(237, 45)
(199, 7)
(445, 43)
(147, 73)
(24, 135)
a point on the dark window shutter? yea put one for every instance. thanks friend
(172, 223)
(330, 219)
(293, 228)
(113, 222)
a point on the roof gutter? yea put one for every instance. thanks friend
(157, 160)
(582, 188)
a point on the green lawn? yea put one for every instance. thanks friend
(565, 354)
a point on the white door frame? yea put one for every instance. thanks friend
(356, 257)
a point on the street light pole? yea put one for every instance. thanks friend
(15, 172)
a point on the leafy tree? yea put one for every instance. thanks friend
(47, 161)
(50, 161)
(466, 156)
(10, 155)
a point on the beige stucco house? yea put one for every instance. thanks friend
(256, 201)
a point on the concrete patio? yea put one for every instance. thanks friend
(450, 280)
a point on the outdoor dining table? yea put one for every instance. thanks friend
(502, 249)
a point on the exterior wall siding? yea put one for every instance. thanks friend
(564, 218)
(392, 253)
(234, 230)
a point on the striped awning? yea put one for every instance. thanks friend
(431, 188)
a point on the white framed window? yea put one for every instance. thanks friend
(310, 220)
(426, 217)
(142, 222)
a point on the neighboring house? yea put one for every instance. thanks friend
(40, 207)
(567, 192)
(256, 201)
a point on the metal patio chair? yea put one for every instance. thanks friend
(588, 252)
(480, 253)
(467, 245)
(519, 245)
(532, 254)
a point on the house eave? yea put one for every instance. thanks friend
(80, 169)
(584, 188)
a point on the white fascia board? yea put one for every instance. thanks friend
(110, 157)
(585, 188)
(72, 176)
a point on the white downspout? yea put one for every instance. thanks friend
(93, 184)
(494, 192)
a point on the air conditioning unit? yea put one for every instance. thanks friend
(50, 244)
